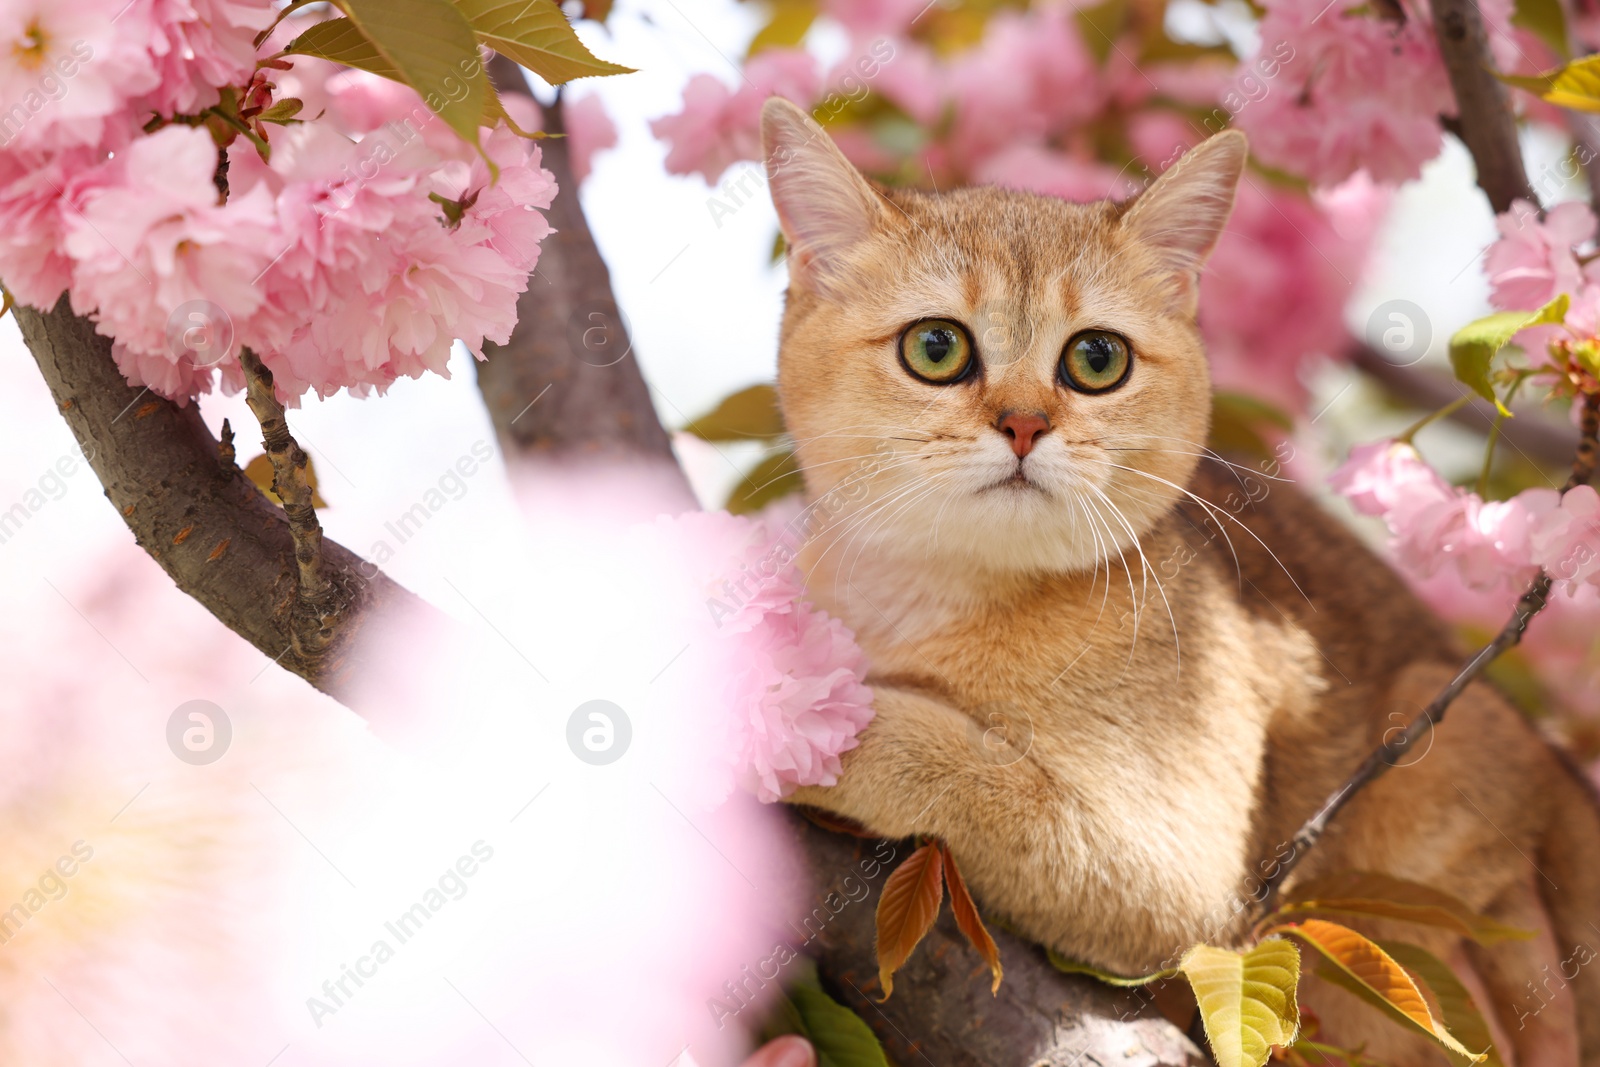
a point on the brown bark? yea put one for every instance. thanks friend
(568, 382)
(193, 510)
(1485, 122)
(942, 1012)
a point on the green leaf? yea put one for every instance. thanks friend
(426, 44)
(282, 111)
(1384, 896)
(1456, 1005)
(749, 415)
(1575, 85)
(537, 35)
(1237, 422)
(838, 1034)
(1061, 963)
(1358, 965)
(1247, 1000)
(1475, 345)
(776, 476)
(1546, 20)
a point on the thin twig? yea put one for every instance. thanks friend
(1390, 753)
(318, 596)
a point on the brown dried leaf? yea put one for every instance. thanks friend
(907, 910)
(968, 919)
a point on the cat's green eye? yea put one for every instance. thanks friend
(937, 351)
(1095, 361)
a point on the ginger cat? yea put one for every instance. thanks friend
(1001, 400)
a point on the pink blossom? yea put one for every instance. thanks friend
(1491, 543)
(795, 694)
(196, 47)
(158, 238)
(372, 280)
(1376, 477)
(1043, 170)
(864, 17)
(71, 73)
(1567, 541)
(1356, 92)
(1273, 293)
(1533, 261)
(1029, 78)
(718, 126)
(589, 131)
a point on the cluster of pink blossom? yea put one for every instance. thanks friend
(1338, 88)
(795, 687)
(1030, 106)
(1536, 259)
(357, 252)
(1491, 543)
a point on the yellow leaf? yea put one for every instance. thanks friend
(1364, 969)
(1384, 896)
(786, 28)
(1574, 85)
(1247, 1000)
(907, 909)
(969, 921)
(1459, 1011)
(259, 471)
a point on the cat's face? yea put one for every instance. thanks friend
(1007, 380)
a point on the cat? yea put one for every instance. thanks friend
(1115, 699)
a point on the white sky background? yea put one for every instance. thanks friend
(704, 305)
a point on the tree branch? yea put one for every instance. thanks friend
(216, 535)
(1485, 121)
(1538, 438)
(315, 615)
(942, 1012)
(568, 382)
(1390, 753)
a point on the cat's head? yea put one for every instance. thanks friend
(993, 377)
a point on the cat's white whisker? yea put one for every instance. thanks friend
(1210, 507)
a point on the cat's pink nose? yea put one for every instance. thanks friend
(1023, 429)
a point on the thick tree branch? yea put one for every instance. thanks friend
(568, 382)
(1485, 121)
(189, 506)
(941, 1011)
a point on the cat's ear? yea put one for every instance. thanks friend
(824, 204)
(1181, 215)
